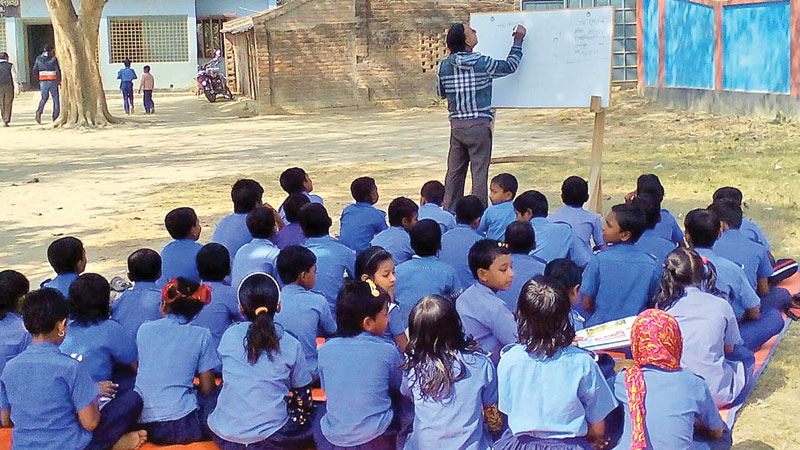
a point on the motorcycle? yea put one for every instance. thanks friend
(211, 82)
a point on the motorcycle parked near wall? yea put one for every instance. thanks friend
(211, 82)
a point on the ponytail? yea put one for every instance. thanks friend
(683, 268)
(259, 299)
(262, 336)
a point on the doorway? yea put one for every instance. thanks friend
(37, 37)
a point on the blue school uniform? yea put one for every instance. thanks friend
(14, 338)
(171, 353)
(305, 315)
(555, 240)
(455, 422)
(357, 374)
(98, 347)
(251, 406)
(577, 320)
(396, 241)
(140, 304)
(525, 268)
(752, 231)
(586, 226)
(752, 257)
(313, 198)
(674, 402)
(218, 315)
(422, 276)
(291, 234)
(435, 212)
(62, 282)
(496, 219)
(232, 232)
(44, 389)
(654, 245)
(360, 223)
(552, 397)
(179, 259)
(260, 255)
(620, 279)
(398, 323)
(455, 251)
(668, 228)
(487, 319)
(732, 283)
(334, 261)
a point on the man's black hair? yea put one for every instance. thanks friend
(213, 262)
(401, 208)
(483, 253)
(362, 188)
(630, 218)
(294, 260)
(64, 254)
(180, 221)
(468, 209)
(533, 200)
(520, 237)
(314, 220)
(702, 226)
(506, 182)
(246, 195)
(433, 192)
(3, 55)
(293, 180)
(144, 265)
(574, 191)
(729, 212)
(426, 237)
(457, 38)
(261, 222)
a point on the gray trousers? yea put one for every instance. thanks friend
(473, 146)
(6, 101)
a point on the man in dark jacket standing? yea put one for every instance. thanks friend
(47, 71)
(9, 85)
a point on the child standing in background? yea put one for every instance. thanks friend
(361, 221)
(126, 75)
(403, 213)
(146, 87)
(586, 225)
(430, 206)
(500, 214)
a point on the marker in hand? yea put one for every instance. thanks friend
(519, 34)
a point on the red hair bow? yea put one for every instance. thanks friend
(170, 293)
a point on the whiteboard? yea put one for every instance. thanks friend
(566, 56)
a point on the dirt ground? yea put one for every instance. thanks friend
(112, 187)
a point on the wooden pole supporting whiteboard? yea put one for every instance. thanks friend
(595, 180)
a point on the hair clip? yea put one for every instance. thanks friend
(373, 288)
(501, 244)
(202, 294)
(704, 259)
(261, 309)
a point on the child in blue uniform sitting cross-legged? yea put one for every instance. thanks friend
(431, 197)
(520, 240)
(178, 258)
(361, 221)
(13, 335)
(214, 266)
(67, 257)
(403, 214)
(500, 213)
(142, 302)
(231, 231)
(457, 242)
(259, 254)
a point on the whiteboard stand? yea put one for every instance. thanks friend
(598, 137)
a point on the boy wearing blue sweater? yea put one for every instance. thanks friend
(500, 214)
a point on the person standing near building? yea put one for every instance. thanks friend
(465, 80)
(9, 85)
(126, 75)
(147, 85)
(47, 71)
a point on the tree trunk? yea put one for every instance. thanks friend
(83, 101)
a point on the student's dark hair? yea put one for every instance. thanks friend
(294, 260)
(90, 296)
(520, 237)
(293, 180)
(401, 208)
(183, 304)
(468, 209)
(433, 192)
(314, 220)
(180, 221)
(630, 218)
(574, 191)
(457, 38)
(483, 253)
(43, 309)
(728, 193)
(728, 211)
(369, 260)
(246, 194)
(144, 265)
(543, 316)
(257, 291)
(213, 262)
(426, 237)
(146, 68)
(682, 268)
(355, 303)
(533, 200)
(506, 182)
(13, 285)
(65, 253)
(261, 222)
(702, 226)
(435, 337)
(649, 183)
(127, 63)
(565, 271)
(650, 207)
(362, 188)
(292, 206)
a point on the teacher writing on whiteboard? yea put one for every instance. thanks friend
(465, 80)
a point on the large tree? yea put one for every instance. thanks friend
(83, 102)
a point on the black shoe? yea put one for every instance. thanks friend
(5, 124)
(38, 118)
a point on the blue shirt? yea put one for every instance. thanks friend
(620, 279)
(455, 422)
(291, 234)
(260, 255)
(420, 277)
(398, 322)
(137, 305)
(752, 257)
(179, 259)
(487, 319)
(752, 231)
(313, 198)
(525, 268)
(586, 225)
(305, 315)
(14, 338)
(171, 353)
(126, 75)
(552, 397)
(668, 228)
(555, 240)
(232, 232)
(654, 245)
(218, 315)
(435, 212)
(359, 225)
(334, 261)
(44, 389)
(732, 283)
(495, 220)
(396, 241)
(357, 375)
(62, 282)
(455, 251)
(251, 406)
(98, 347)
(674, 402)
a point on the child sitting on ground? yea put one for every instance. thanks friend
(361, 221)
(68, 259)
(376, 264)
(142, 302)
(620, 280)
(231, 231)
(553, 240)
(500, 213)
(395, 239)
(261, 364)
(650, 242)
(750, 229)
(292, 233)
(569, 275)
(667, 227)
(554, 394)
(213, 264)
(430, 206)
(457, 242)
(304, 313)
(586, 225)
(178, 258)
(448, 380)
(485, 316)
(171, 353)
(13, 335)
(296, 181)
(520, 240)
(258, 255)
